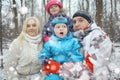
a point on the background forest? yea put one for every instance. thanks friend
(106, 13)
(13, 12)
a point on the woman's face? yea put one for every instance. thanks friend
(31, 28)
(60, 30)
(79, 23)
(54, 9)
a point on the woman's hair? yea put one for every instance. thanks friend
(39, 28)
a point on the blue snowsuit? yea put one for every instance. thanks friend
(61, 50)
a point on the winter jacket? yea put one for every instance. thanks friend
(47, 29)
(97, 47)
(22, 59)
(62, 50)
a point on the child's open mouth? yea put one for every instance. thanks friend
(61, 33)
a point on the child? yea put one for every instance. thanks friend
(54, 8)
(60, 50)
(97, 46)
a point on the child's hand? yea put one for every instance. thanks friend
(51, 67)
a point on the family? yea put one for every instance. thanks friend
(65, 49)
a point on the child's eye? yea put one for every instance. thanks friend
(58, 27)
(64, 26)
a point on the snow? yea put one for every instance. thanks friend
(114, 64)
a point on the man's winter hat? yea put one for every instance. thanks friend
(84, 15)
(52, 2)
(59, 20)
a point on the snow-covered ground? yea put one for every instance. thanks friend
(114, 65)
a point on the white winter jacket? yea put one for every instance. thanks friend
(22, 59)
(97, 46)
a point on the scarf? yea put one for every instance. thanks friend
(33, 39)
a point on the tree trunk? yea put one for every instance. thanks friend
(99, 10)
(15, 20)
(1, 33)
(44, 10)
(115, 12)
(32, 11)
(112, 32)
(87, 8)
(69, 7)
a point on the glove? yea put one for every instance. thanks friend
(88, 62)
(51, 67)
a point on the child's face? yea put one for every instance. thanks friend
(80, 23)
(54, 9)
(60, 30)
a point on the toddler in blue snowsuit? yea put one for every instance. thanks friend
(62, 47)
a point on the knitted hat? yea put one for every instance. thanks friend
(84, 15)
(59, 20)
(52, 2)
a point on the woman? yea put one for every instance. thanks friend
(22, 60)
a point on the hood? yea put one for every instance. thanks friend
(93, 26)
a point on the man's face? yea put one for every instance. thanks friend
(60, 30)
(80, 23)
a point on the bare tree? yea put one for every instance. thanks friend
(1, 33)
(115, 10)
(44, 4)
(32, 9)
(112, 32)
(87, 8)
(99, 10)
(83, 5)
(15, 20)
(69, 7)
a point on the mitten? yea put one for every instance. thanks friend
(51, 67)
(88, 63)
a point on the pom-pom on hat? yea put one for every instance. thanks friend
(84, 15)
(52, 2)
